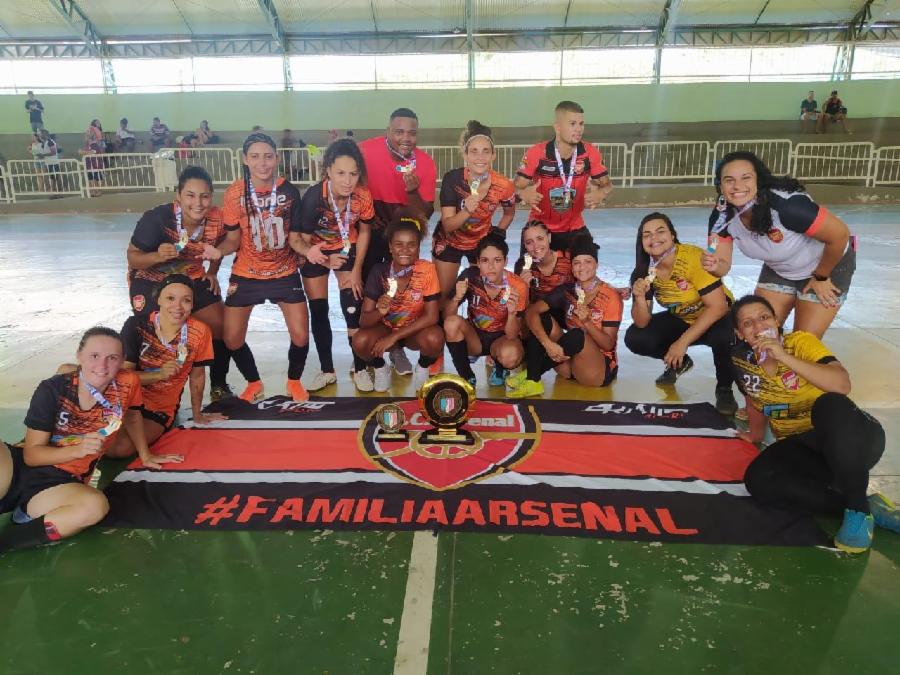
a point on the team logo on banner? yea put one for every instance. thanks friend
(504, 434)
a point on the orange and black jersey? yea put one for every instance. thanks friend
(454, 190)
(144, 349)
(264, 252)
(559, 275)
(317, 217)
(486, 313)
(409, 302)
(55, 409)
(606, 308)
(157, 226)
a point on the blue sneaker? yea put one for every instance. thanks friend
(885, 512)
(497, 377)
(856, 533)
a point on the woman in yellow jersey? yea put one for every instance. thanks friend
(825, 445)
(695, 307)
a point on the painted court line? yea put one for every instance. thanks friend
(415, 624)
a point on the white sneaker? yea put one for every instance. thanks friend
(399, 361)
(320, 381)
(420, 376)
(362, 379)
(382, 378)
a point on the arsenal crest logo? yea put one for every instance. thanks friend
(790, 380)
(775, 235)
(138, 302)
(504, 434)
(682, 284)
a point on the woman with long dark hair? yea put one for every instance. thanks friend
(260, 210)
(807, 254)
(333, 234)
(695, 307)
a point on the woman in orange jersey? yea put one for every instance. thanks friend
(170, 239)
(258, 213)
(167, 349)
(586, 350)
(496, 300)
(72, 420)
(540, 266)
(469, 197)
(400, 306)
(333, 234)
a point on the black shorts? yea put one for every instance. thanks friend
(143, 302)
(311, 270)
(487, 339)
(12, 498)
(244, 292)
(165, 420)
(451, 254)
(562, 241)
(841, 276)
(36, 479)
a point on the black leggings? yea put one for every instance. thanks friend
(664, 328)
(824, 470)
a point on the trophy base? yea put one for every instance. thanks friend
(452, 436)
(392, 437)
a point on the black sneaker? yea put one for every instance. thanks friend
(219, 392)
(670, 375)
(725, 403)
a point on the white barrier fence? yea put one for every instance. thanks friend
(644, 163)
(6, 196)
(887, 166)
(35, 179)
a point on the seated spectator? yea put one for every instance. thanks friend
(125, 138)
(809, 111)
(159, 134)
(833, 111)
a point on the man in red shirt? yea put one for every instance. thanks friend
(559, 178)
(398, 175)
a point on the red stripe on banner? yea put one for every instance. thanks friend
(675, 457)
(678, 457)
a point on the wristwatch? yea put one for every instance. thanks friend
(821, 277)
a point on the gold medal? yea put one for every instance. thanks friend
(183, 240)
(529, 260)
(504, 296)
(181, 353)
(111, 427)
(346, 243)
(473, 185)
(580, 295)
(392, 287)
(651, 275)
(713, 243)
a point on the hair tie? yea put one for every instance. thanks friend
(472, 138)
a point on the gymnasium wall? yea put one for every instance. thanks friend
(510, 107)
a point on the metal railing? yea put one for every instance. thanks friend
(834, 162)
(775, 152)
(122, 171)
(887, 166)
(30, 178)
(671, 162)
(645, 163)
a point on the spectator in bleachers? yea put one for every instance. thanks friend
(291, 168)
(93, 137)
(124, 137)
(204, 135)
(834, 110)
(50, 157)
(159, 134)
(809, 111)
(35, 112)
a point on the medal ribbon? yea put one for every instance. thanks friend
(587, 290)
(503, 285)
(343, 222)
(399, 273)
(266, 222)
(567, 180)
(98, 396)
(723, 220)
(179, 228)
(182, 341)
(654, 262)
(410, 162)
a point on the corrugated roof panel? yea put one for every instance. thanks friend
(223, 17)
(599, 13)
(34, 19)
(145, 18)
(745, 12)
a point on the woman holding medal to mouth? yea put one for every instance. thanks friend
(824, 445)
(71, 422)
(260, 209)
(469, 197)
(540, 266)
(695, 307)
(167, 349)
(586, 350)
(333, 234)
(807, 253)
(170, 239)
(401, 306)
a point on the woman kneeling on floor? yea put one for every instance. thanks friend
(825, 445)
(587, 349)
(72, 419)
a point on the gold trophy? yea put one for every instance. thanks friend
(390, 419)
(445, 401)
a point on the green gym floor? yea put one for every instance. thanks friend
(320, 602)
